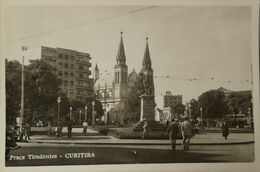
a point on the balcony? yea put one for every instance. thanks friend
(84, 62)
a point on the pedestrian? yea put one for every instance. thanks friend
(69, 127)
(172, 132)
(27, 131)
(186, 129)
(49, 128)
(85, 127)
(225, 129)
(21, 132)
(167, 123)
(59, 129)
(145, 129)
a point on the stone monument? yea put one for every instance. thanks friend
(147, 99)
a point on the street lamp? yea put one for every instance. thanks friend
(58, 100)
(201, 115)
(93, 114)
(70, 113)
(189, 109)
(249, 117)
(86, 108)
(79, 116)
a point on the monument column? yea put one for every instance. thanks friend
(147, 99)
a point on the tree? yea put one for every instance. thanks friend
(41, 89)
(195, 108)
(133, 101)
(13, 71)
(178, 109)
(213, 104)
(239, 103)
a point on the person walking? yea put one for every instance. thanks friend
(172, 132)
(186, 129)
(27, 131)
(225, 129)
(21, 132)
(85, 127)
(69, 127)
(145, 129)
(59, 130)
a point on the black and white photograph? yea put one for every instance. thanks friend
(129, 84)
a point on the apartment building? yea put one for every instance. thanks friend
(73, 68)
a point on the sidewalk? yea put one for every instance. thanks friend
(95, 138)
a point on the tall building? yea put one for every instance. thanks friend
(170, 100)
(73, 69)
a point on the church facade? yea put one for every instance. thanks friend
(113, 96)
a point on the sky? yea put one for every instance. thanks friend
(211, 44)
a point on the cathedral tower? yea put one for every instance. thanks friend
(121, 73)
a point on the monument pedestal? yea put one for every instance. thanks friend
(148, 114)
(147, 107)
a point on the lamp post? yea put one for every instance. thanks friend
(58, 100)
(86, 108)
(189, 109)
(80, 116)
(249, 118)
(93, 114)
(24, 48)
(70, 113)
(201, 116)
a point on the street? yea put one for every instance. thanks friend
(80, 154)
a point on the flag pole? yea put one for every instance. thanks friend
(22, 92)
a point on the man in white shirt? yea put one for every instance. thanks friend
(85, 128)
(186, 129)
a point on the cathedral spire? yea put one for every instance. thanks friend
(147, 60)
(120, 58)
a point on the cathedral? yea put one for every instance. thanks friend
(113, 96)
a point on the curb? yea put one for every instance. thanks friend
(230, 143)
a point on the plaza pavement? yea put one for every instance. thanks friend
(94, 138)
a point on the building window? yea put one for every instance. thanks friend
(60, 73)
(71, 91)
(71, 74)
(65, 83)
(85, 84)
(80, 83)
(66, 57)
(72, 58)
(71, 83)
(60, 56)
(60, 64)
(81, 67)
(79, 92)
(66, 65)
(66, 74)
(72, 66)
(81, 75)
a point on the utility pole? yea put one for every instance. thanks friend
(22, 96)
(93, 114)
(22, 93)
(70, 113)
(58, 100)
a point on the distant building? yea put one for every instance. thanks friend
(170, 100)
(73, 69)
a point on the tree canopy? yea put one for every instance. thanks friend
(213, 104)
